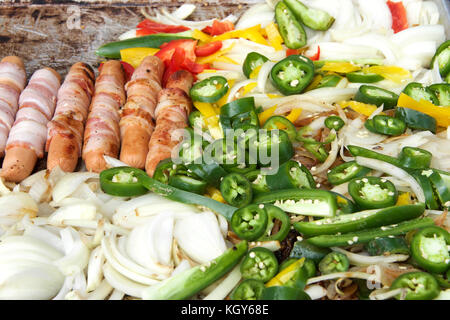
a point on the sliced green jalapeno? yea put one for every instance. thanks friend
(249, 289)
(280, 122)
(346, 172)
(329, 81)
(303, 249)
(196, 120)
(440, 187)
(284, 293)
(291, 30)
(344, 204)
(317, 150)
(291, 174)
(443, 57)
(210, 89)
(275, 213)
(418, 92)
(334, 262)
(252, 61)
(268, 144)
(377, 96)
(259, 264)
(304, 135)
(239, 112)
(292, 74)
(367, 153)
(416, 120)
(362, 77)
(415, 158)
(236, 190)
(373, 192)
(425, 184)
(443, 279)
(188, 184)
(386, 125)
(334, 122)
(122, 182)
(315, 19)
(249, 222)
(258, 181)
(387, 246)
(442, 92)
(429, 248)
(212, 173)
(167, 168)
(417, 286)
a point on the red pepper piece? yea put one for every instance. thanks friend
(208, 49)
(219, 27)
(399, 18)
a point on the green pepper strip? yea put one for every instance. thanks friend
(210, 89)
(418, 286)
(280, 122)
(302, 137)
(415, 158)
(212, 173)
(440, 188)
(346, 172)
(236, 190)
(330, 80)
(275, 213)
(267, 143)
(352, 222)
(334, 262)
(188, 184)
(252, 61)
(334, 122)
(373, 192)
(416, 120)
(377, 96)
(304, 249)
(427, 188)
(291, 30)
(361, 77)
(369, 234)
(386, 125)
(443, 280)
(196, 120)
(318, 151)
(249, 289)
(259, 264)
(238, 112)
(291, 175)
(186, 284)
(366, 153)
(292, 74)
(249, 222)
(429, 248)
(122, 182)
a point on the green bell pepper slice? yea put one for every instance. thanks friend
(259, 264)
(418, 92)
(249, 289)
(416, 120)
(334, 262)
(252, 61)
(417, 286)
(210, 89)
(292, 74)
(236, 190)
(373, 192)
(122, 182)
(291, 30)
(291, 175)
(377, 96)
(346, 172)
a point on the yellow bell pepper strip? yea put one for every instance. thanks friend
(215, 56)
(286, 274)
(247, 88)
(274, 36)
(224, 99)
(266, 114)
(393, 73)
(363, 108)
(441, 114)
(273, 96)
(211, 118)
(215, 194)
(314, 83)
(134, 56)
(294, 114)
(255, 72)
(403, 199)
(252, 34)
(201, 36)
(340, 67)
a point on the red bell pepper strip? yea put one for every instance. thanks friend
(219, 27)
(208, 49)
(316, 56)
(290, 52)
(147, 27)
(399, 18)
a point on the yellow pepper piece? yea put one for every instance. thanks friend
(134, 56)
(227, 60)
(441, 114)
(205, 108)
(209, 71)
(340, 67)
(252, 34)
(273, 96)
(255, 72)
(224, 99)
(274, 36)
(213, 57)
(403, 199)
(201, 36)
(214, 194)
(363, 108)
(294, 114)
(266, 114)
(286, 274)
(246, 89)
(314, 83)
(393, 73)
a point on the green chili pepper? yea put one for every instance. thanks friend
(366, 153)
(291, 174)
(386, 125)
(306, 202)
(442, 92)
(317, 150)
(268, 144)
(443, 279)
(303, 249)
(186, 284)
(122, 182)
(362, 220)
(188, 184)
(425, 184)
(252, 61)
(330, 80)
(166, 168)
(362, 77)
(440, 188)
(373, 192)
(302, 136)
(286, 263)
(249, 222)
(345, 205)
(415, 158)
(429, 248)
(443, 57)
(280, 122)
(196, 120)
(334, 122)
(212, 173)
(315, 19)
(275, 213)
(377, 96)
(284, 293)
(239, 112)
(387, 246)
(346, 172)
(210, 89)
(249, 289)
(236, 190)
(416, 120)
(334, 262)
(418, 92)
(417, 286)
(259, 264)
(258, 181)
(292, 74)
(370, 234)
(292, 32)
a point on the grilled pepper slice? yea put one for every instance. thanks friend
(249, 289)
(443, 57)
(122, 182)
(275, 213)
(363, 77)
(304, 249)
(429, 248)
(418, 92)
(416, 120)
(386, 125)
(315, 19)
(210, 89)
(346, 172)
(334, 262)
(239, 112)
(292, 32)
(188, 184)
(185, 284)
(306, 202)
(249, 222)
(417, 286)
(291, 175)
(442, 92)
(345, 223)
(259, 264)
(370, 234)
(280, 122)
(292, 74)
(373, 192)
(334, 122)
(252, 61)
(236, 190)
(377, 96)
(415, 158)
(387, 246)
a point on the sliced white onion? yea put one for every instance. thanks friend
(184, 11)
(77, 256)
(95, 270)
(331, 95)
(316, 292)
(331, 156)
(405, 37)
(69, 183)
(80, 211)
(362, 260)
(119, 282)
(235, 89)
(337, 275)
(18, 204)
(113, 162)
(263, 75)
(260, 13)
(116, 295)
(226, 285)
(101, 292)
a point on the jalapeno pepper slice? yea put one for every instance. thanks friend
(442, 92)
(439, 186)
(362, 77)
(334, 122)
(443, 56)
(417, 286)
(330, 80)
(429, 248)
(303, 135)
(196, 120)
(334, 262)
(415, 158)
(122, 182)
(303, 249)
(259, 264)
(386, 125)
(418, 92)
(271, 144)
(377, 96)
(276, 214)
(212, 173)
(291, 30)
(373, 192)
(295, 275)
(166, 168)
(344, 204)
(250, 222)
(188, 184)
(346, 172)
(317, 150)
(315, 19)
(291, 175)
(249, 289)
(258, 181)
(239, 112)
(280, 122)
(284, 293)
(427, 188)
(443, 279)
(387, 246)
(210, 89)
(252, 61)
(292, 74)
(236, 190)
(416, 120)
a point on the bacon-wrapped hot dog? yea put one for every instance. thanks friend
(102, 133)
(65, 131)
(172, 111)
(136, 124)
(12, 81)
(28, 135)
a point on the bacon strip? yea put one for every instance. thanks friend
(65, 131)
(172, 111)
(102, 134)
